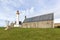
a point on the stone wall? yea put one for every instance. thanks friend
(41, 24)
(56, 24)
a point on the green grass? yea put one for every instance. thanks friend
(30, 34)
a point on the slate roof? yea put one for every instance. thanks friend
(40, 18)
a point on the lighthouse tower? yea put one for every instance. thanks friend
(17, 19)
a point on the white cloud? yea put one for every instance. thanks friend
(13, 3)
(7, 9)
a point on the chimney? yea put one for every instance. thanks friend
(25, 17)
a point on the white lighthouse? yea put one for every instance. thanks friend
(17, 19)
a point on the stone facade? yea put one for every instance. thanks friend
(41, 24)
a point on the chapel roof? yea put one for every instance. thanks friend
(45, 17)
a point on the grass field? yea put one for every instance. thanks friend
(30, 34)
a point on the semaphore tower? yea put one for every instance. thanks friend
(17, 19)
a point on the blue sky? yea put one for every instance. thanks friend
(28, 8)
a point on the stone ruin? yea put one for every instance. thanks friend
(9, 25)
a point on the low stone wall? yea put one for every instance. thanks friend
(56, 25)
